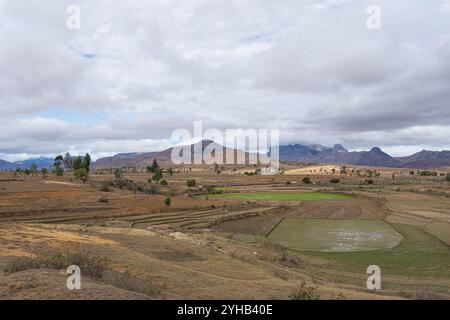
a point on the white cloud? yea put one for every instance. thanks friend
(310, 68)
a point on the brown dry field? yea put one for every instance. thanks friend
(202, 247)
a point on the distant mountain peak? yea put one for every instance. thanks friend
(376, 150)
(339, 148)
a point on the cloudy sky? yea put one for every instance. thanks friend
(137, 70)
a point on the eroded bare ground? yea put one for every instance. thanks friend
(192, 249)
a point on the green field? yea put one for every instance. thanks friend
(419, 254)
(327, 235)
(276, 196)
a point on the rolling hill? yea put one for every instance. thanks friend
(164, 157)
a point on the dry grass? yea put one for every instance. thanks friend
(304, 292)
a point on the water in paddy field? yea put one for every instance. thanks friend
(335, 235)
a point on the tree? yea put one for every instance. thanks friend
(33, 168)
(67, 161)
(153, 167)
(57, 165)
(158, 175)
(81, 174)
(77, 163)
(44, 172)
(168, 202)
(86, 163)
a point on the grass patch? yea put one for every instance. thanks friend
(328, 235)
(278, 196)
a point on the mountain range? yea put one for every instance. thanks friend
(290, 153)
(25, 164)
(375, 157)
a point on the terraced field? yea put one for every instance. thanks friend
(288, 196)
(192, 219)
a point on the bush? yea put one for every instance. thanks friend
(103, 200)
(191, 183)
(288, 182)
(118, 173)
(335, 180)
(168, 202)
(370, 181)
(304, 292)
(306, 180)
(106, 185)
(427, 173)
(163, 182)
(447, 177)
(81, 174)
(158, 175)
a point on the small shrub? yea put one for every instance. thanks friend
(369, 181)
(168, 202)
(163, 182)
(304, 292)
(81, 174)
(103, 200)
(447, 177)
(118, 173)
(158, 175)
(335, 180)
(191, 183)
(306, 180)
(106, 185)
(288, 182)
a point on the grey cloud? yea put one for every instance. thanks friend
(309, 68)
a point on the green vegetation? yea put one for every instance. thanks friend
(59, 171)
(168, 202)
(153, 167)
(81, 174)
(329, 235)
(427, 173)
(419, 254)
(158, 175)
(191, 183)
(274, 196)
(118, 173)
(335, 180)
(307, 180)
